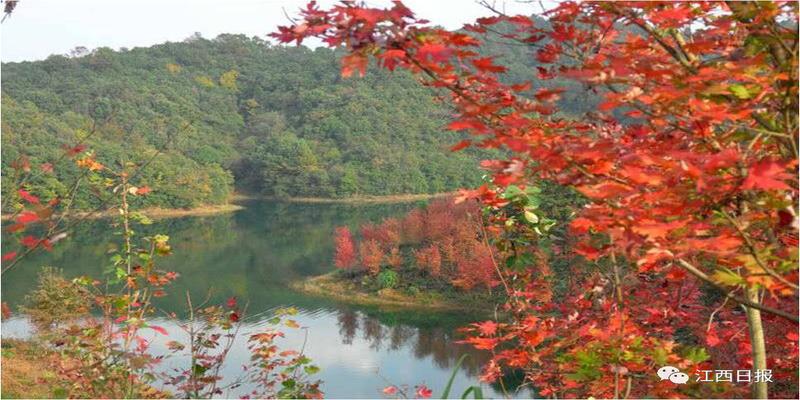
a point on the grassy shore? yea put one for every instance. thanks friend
(157, 212)
(25, 371)
(387, 199)
(185, 212)
(336, 286)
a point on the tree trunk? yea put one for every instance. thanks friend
(757, 343)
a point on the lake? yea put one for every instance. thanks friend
(254, 254)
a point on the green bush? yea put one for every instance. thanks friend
(56, 300)
(388, 279)
(413, 290)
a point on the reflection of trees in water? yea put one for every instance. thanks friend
(436, 342)
(239, 254)
(373, 332)
(399, 335)
(348, 325)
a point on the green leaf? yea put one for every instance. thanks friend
(311, 369)
(739, 91)
(449, 385)
(532, 203)
(198, 370)
(141, 218)
(519, 261)
(533, 190)
(547, 223)
(728, 277)
(120, 303)
(697, 354)
(83, 281)
(511, 192)
(120, 273)
(116, 259)
(660, 356)
(289, 383)
(476, 391)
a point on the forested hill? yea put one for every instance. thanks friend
(231, 112)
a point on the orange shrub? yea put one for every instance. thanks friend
(345, 257)
(371, 256)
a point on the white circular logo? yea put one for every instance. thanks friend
(672, 374)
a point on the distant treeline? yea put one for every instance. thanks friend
(236, 112)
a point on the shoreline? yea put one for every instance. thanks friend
(378, 199)
(156, 212)
(329, 286)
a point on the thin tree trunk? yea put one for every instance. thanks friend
(757, 343)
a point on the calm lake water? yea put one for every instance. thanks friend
(254, 254)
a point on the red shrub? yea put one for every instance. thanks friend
(476, 268)
(443, 217)
(448, 239)
(345, 257)
(429, 259)
(439, 219)
(369, 231)
(394, 259)
(371, 256)
(448, 246)
(387, 234)
(413, 225)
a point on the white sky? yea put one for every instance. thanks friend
(39, 28)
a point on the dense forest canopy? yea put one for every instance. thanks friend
(237, 112)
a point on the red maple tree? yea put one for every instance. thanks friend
(694, 193)
(345, 257)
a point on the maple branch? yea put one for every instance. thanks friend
(50, 233)
(62, 156)
(745, 302)
(718, 309)
(102, 207)
(752, 249)
(588, 174)
(485, 238)
(768, 132)
(681, 41)
(660, 40)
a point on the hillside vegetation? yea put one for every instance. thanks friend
(210, 116)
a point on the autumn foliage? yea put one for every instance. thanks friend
(345, 249)
(689, 166)
(442, 240)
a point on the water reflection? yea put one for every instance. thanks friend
(253, 254)
(438, 343)
(359, 351)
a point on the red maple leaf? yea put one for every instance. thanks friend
(423, 392)
(390, 390)
(29, 241)
(159, 329)
(27, 217)
(767, 175)
(485, 65)
(28, 197)
(352, 63)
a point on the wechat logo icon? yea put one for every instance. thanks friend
(672, 374)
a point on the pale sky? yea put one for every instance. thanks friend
(39, 28)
